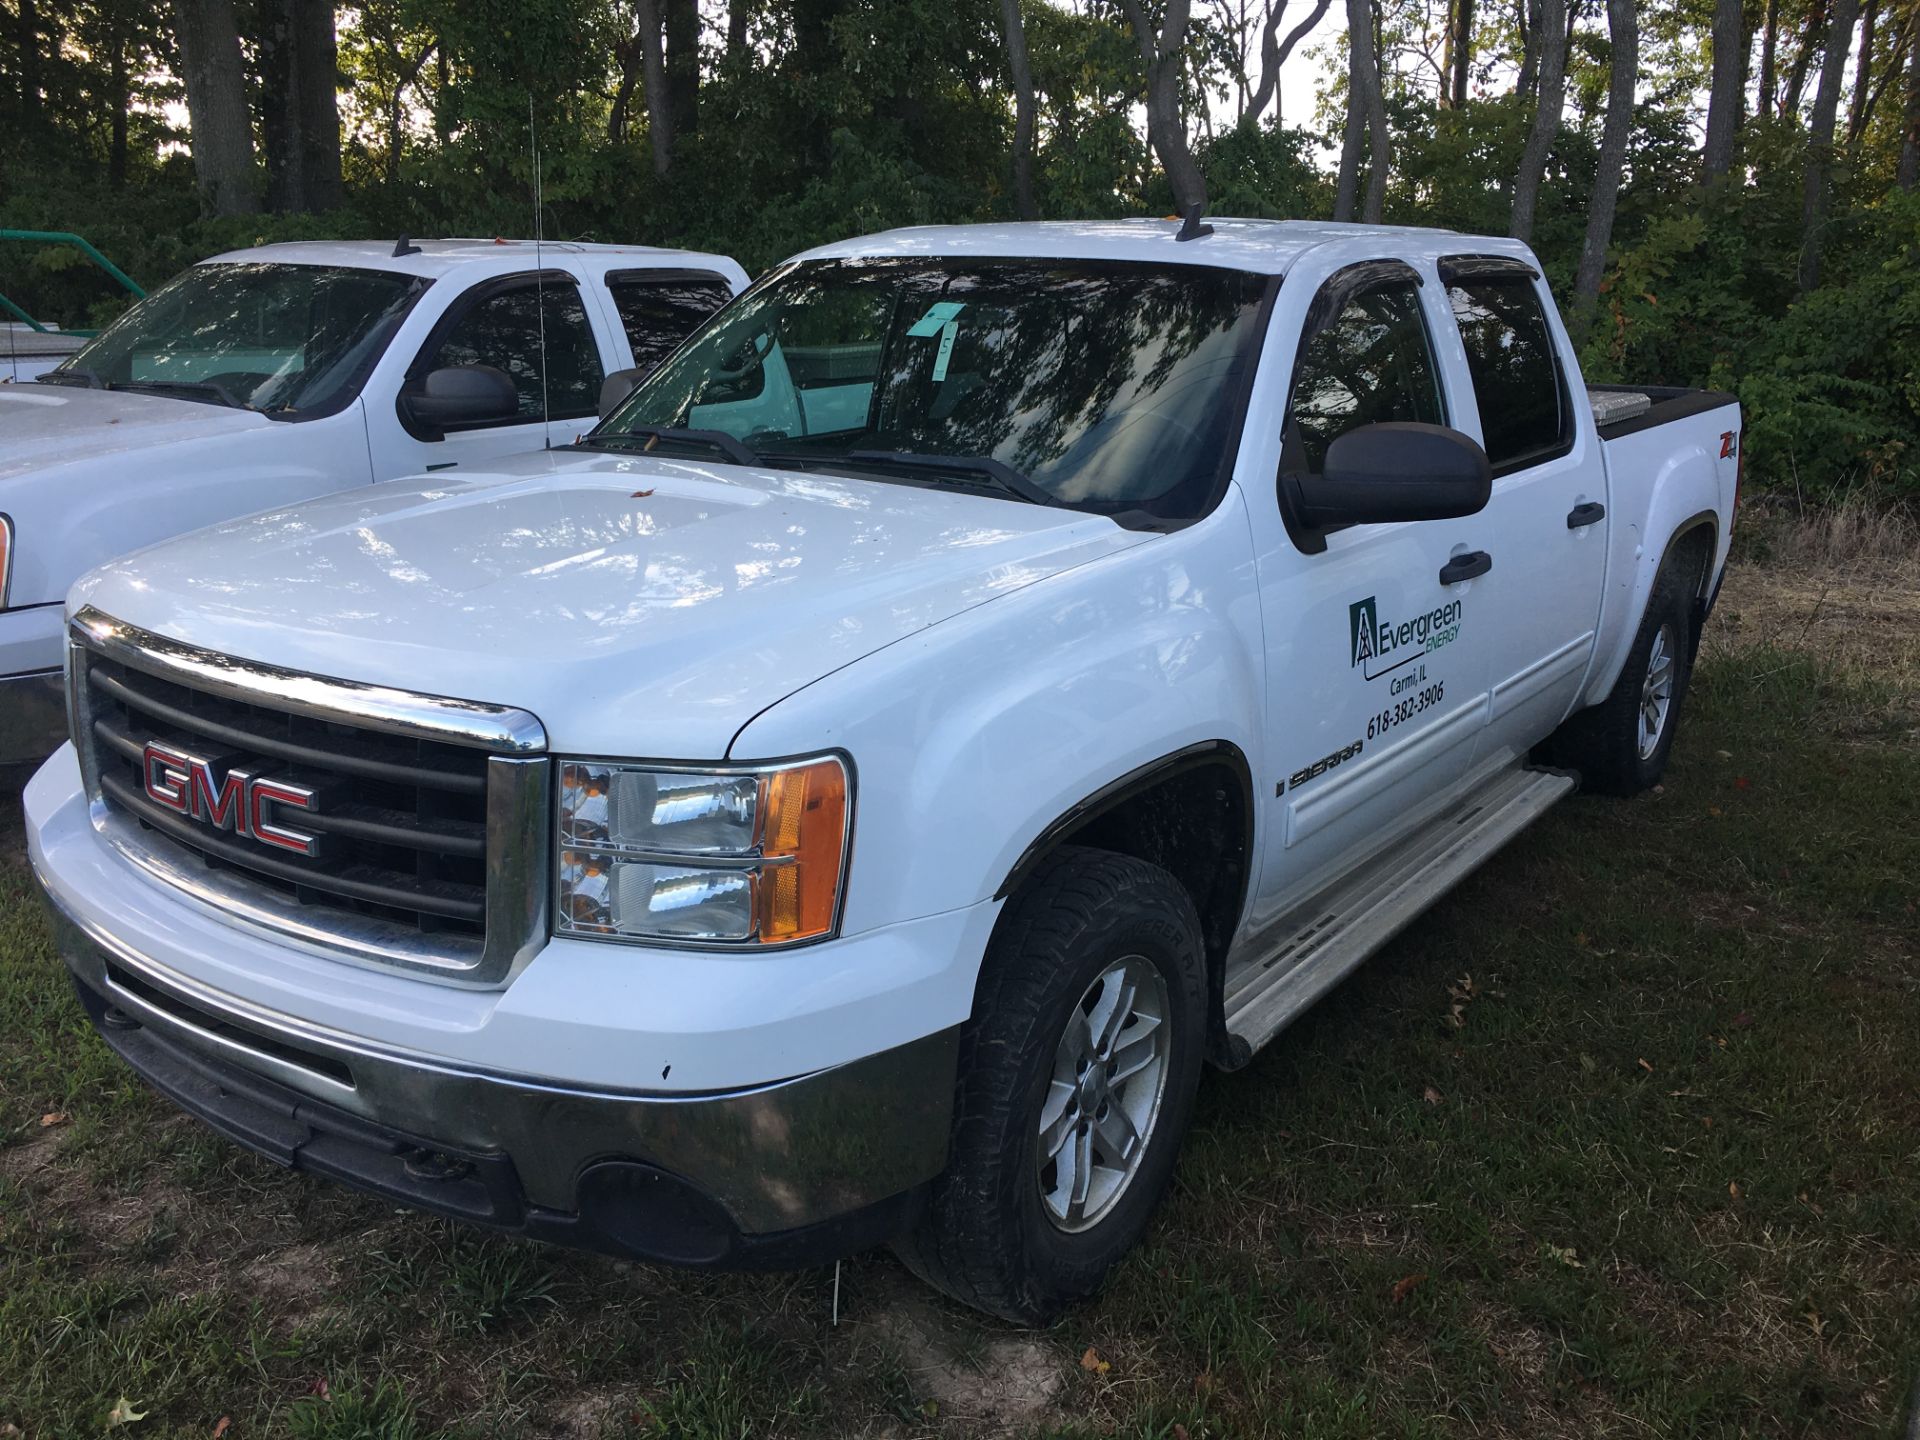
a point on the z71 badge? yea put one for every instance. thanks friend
(1318, 768)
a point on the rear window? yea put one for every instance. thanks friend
(658, 312)
(1515, 367)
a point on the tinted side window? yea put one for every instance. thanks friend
(658, 314)
(1371, 364)
(504, 331)
(1515, 368)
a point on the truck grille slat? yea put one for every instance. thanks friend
(402, 822)
(362, 753)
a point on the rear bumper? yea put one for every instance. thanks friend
(33, 716)
(779, 1174)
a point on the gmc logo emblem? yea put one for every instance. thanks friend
(240, 802)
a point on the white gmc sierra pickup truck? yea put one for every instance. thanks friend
(267, 376)
(982, 676)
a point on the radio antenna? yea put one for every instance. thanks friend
(539, 280)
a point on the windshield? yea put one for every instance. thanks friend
(284, 339)
(1109, 386)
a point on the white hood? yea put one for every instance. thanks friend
(637, 606)
(43, 425)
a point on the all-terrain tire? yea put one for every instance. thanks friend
(1609, 743)
(987, 1236)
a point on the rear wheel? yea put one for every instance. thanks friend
(1078, 1072)
(1620, 746)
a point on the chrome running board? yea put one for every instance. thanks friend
(1315, 945)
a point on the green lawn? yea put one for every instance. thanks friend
(1623, 1138)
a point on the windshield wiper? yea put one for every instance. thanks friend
(997, 473)
(72, 377)
(187, 389)
(733, 449)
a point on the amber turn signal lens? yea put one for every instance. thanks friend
(803, 840)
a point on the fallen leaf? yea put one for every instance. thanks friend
(123, 1413)
(1706, 1121)
(54, 1117)
(640, 494)
(1646, 1065)
(1179, 1431)
(319, 1387)
(1714, 810)
(1203, 1382)
(1432, 1096)
(1724, 754)
(1588, 1063)
(1093, 1364)
(1742, 1020)
(1566, 1255)
(1740, 782)
(1580, 938)
(1733, 1188)
(1405, 1287)
(220, 1428)
(1819, 1325)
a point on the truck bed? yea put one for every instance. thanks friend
(1664, 404)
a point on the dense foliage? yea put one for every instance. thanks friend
(781, 123)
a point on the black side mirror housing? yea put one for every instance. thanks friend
(1396, 470)
(617, 387)
(460, 395)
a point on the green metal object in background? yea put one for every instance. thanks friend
(85, 247)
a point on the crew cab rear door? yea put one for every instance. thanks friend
(1376, 661)
(1547, 518)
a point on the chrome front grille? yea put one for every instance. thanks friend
(429, 819)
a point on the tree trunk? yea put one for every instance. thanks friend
(682, 61)
(316, 68)
(1274, 52)
(1366, 121)
(1803, 59)
(627, 62)
(1163, 54)
(273, 43)
(736, 27)
(119, 96)
(1769, 51)
(1826, 103)
(1623, 26)
(27, 43)
(1526, 15)
(1022, 75)
(1462, 49)
(1909, 172)
(221, 136)
(653, 62)
(1551, 29)
(1729, 84)
(1863, 75)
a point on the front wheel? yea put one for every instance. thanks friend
(1078, 1073)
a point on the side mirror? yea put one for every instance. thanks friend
(616, 387)
(1396, 470)
(460, 395)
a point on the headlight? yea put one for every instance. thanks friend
(753, 855)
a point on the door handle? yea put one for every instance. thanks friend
(1591, 513)
(1465, 567)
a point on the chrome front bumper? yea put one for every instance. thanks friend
(33, 716)
(703, 1179)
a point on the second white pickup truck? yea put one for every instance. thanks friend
(983, 676)
(262, 377)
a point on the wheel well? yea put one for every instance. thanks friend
(1691, 550)
(1191, 815)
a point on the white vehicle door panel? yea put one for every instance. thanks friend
(1548, 511)
(1376, 672)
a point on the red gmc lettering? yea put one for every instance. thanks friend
(185, 784)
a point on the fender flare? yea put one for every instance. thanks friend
(1116, 793)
